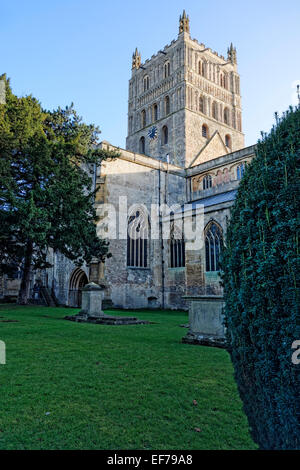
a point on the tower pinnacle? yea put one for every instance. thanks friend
(184, 23)
(231, 54)
(136, 59)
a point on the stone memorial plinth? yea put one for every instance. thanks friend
(205, 321)
(91, 310)
(92, 296)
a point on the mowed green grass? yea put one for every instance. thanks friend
(81, 386)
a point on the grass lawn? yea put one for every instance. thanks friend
(81, 386)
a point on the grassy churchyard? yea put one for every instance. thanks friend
(82, 386)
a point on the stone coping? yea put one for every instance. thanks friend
(92, 286)
(203, 297)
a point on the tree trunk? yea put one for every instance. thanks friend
(25, 283)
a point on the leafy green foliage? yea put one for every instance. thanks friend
(261, 282)
(46, 186)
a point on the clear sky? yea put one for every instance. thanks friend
(80, 50)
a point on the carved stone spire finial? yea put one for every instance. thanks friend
(231, 54)
(136, 59)
(184, 23)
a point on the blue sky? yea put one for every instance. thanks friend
(80, 50)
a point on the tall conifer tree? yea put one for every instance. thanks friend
(46, 186)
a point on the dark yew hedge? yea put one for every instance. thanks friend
(261, 286)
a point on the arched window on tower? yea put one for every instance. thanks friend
(223, 80)
(201, 104)
(154, 112)
(205, 131)
(167, 69)
(142, 145)
(215, 110)
(213, 246)
(226, 81)
(143, 118)
(165, 135)
(167, 105)
(226, 116)
(228, 141)
(207, 182)
(137, 240)
(146, 83)
(200, 67)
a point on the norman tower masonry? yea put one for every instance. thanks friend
(189, 97)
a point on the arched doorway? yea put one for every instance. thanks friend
(78, 280)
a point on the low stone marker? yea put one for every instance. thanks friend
(91, 310)
(92, 296)
(205, 321)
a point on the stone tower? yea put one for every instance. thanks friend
(185, 102)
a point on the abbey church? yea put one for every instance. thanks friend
(184, 149)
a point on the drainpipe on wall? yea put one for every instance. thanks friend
(161, 240)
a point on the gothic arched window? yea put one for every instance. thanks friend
(137, 240)
(143, 118)
(207, 182)
(226, 81)
(200, 67)
(240, 171)
(226, 116)
(155, 112)
(205, 131)
(142, 145)
(146, 83)
(177, 248)
(222, 80)
(167, 105)
(201, 104)
(213, 246)
(215, 110)
(167, 69)
(165, 135)
(228, 141)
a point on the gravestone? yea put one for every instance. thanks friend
(205, 321)
(92, 296)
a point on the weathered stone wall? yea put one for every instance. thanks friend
(143, 182)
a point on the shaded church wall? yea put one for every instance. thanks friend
(133, 287)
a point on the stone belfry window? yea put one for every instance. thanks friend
(226, 116)
(167, 69)
(200, 67)
(143, 118)
(167, 105)
(201, 104)
(142, 145)
(154, 112)
(165, 135)
(213, 247)
(137, 240)
(215, 110)
(146, 83)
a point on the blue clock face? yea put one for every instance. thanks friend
(152, 133)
